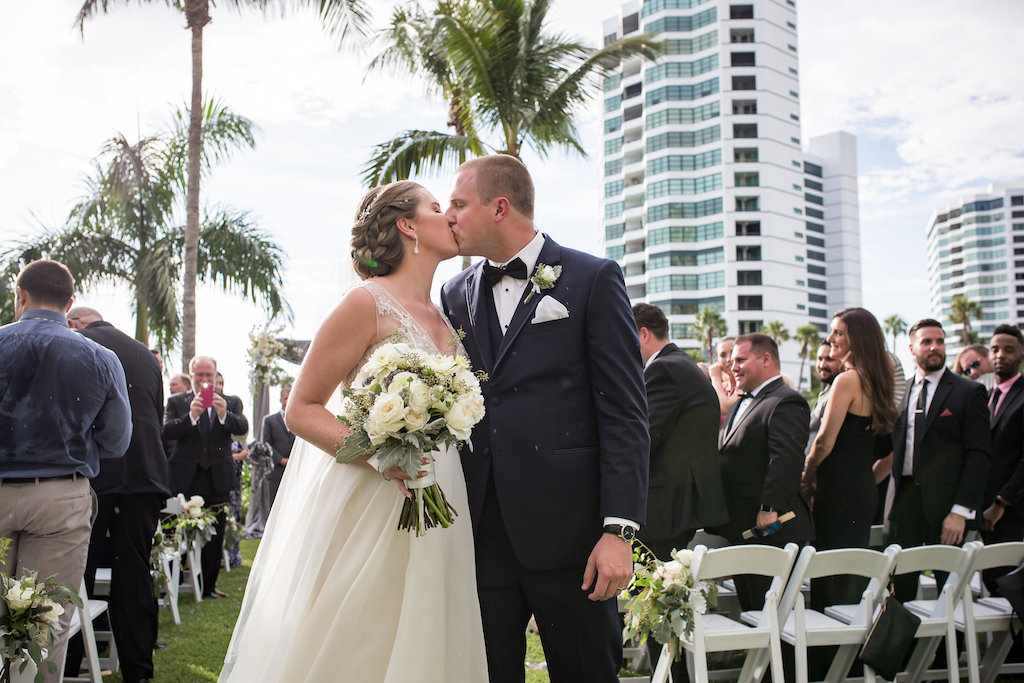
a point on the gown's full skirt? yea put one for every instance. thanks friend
(337, 593)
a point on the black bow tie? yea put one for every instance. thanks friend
(744, 395)
(514, 268)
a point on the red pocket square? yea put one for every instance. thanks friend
(946, 413)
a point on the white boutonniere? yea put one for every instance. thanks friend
(544, 277)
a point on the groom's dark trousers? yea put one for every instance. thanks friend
(564, 445)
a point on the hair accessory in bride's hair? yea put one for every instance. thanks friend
(363, 214)
(366, 259)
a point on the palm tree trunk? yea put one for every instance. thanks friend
(141, 321)
(197, 14)
(803, 357)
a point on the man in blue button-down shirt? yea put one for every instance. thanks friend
(63, 406)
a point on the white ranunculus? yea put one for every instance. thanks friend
(414, 421)
(441, 364)
(19, 596)
(461, 418)
(386, 417)
(475, 405)
(383, 360)
(420, 396)
(51, 616)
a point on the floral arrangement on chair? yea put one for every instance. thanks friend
(404, 404)
(30, 613)
(663, 598)
(194, 523)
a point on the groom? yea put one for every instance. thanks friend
(557, 480)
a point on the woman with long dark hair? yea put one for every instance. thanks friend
(838, 475)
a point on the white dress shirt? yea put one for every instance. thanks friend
(508, 290)
(745, 402)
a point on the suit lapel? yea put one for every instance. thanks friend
(938, 405)
(550, 254)
(476, 290)
(1013, 398)
(750, 409)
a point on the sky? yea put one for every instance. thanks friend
(932, 92)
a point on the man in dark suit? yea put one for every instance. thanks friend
(827, 368)
(201, 463)
(130, 491)
(281, 440)
(557, 479)
(941, 449)
(762, 446)
(1003, 519)
(684, 491)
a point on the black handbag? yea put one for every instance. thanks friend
(890, 639)
(1011, 587)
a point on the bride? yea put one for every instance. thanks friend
(337, 592)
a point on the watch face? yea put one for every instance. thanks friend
(628, 533)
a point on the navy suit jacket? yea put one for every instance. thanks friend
(565, 433)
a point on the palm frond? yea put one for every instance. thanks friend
(224, 132)
(92, 7)
(157, 287)
(414, 151)
(243, 259)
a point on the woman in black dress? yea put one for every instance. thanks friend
(838, 473)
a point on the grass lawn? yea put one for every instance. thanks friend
(195, 649)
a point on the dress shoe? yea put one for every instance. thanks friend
(212, 596)
(219, 593)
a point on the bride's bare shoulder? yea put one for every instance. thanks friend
(355, 313)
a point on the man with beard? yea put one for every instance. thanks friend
(941, 450)
(828, 368)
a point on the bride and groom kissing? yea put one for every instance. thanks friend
(555, 483)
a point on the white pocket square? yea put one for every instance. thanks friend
(549, 309)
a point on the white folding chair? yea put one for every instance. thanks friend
(82, 622)
(938, 615)
(992, 615)
(803, 628)
(713, 632)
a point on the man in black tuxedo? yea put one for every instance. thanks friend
(941, 450)
(762, 446)
(557, 479)
(130, 491)
(684, 491)
(1003, 519)
(201, 463)
(281, 440)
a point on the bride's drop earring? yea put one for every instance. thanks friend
(416, 249)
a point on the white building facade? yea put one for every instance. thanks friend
(709, 197)
(976, 249)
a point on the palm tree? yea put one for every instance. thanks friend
(338, 17)
(963, 310)
(894, 325)
(124, 229)
(809, 337)
(501, 72)
(709, 324)
(776, 330)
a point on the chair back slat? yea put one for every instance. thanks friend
(1010, 554)
(848, 561)
(761, 560)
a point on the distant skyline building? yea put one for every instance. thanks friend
(973, 251)
(709, 198)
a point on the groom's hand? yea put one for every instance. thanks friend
(609, 567)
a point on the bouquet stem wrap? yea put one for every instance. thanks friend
(428, 506)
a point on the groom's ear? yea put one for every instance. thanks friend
(502, 208)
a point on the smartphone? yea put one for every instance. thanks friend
(207, 395)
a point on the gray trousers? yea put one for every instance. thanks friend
(49, 523)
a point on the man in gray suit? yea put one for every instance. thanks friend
(280, 438)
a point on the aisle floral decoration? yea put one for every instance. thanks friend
(30, 613)
(663, 598)
(404, 404)
(195, 522)
(265, 353)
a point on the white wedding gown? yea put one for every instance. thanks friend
(338, 593)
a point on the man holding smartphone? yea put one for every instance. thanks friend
(200, 425)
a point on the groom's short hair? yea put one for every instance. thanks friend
(653, 318)
(502, 175)
(760, 344)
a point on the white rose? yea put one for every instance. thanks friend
(19, 596)
(683, 556)
(460, 418)
(195, 511)
(467, 379)
(400, 381)
(475, 405)
(52, 616)
(420, 396)
(386, 417)
(382, 361)
(197, 501)
(546, 274)
(414, 421)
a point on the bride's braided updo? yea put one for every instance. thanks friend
(376, 241)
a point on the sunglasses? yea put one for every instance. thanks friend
(973, 365)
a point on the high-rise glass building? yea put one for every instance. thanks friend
(709, 197)
(976, 249)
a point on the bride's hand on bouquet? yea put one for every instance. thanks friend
(400, 476)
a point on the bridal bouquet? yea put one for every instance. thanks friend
(664, 597)
(404, 404)
(30, 610)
